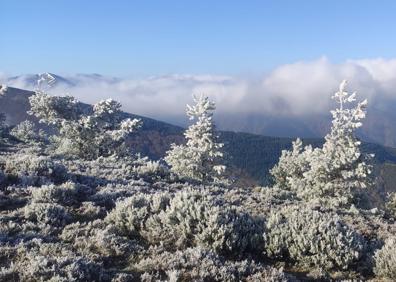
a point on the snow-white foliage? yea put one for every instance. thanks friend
(27, 132)
(312, 238)
(334, 172)
(385, 260)
(84, 133)
(200, 157)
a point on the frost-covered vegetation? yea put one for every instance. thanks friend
(83, 133)
(79, 205)
(334, 173)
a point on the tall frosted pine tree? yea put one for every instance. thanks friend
(333, 173)
(200, 157)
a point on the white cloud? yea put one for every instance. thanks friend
(294, 89)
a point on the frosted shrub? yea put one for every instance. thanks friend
(108, 243)
(108, 195)
(65, 194)
(200, 158)
(232, 232)
(98, 238)
(84, 133)
(150, 169)
(130, 214)
(32, 169)
(193, 220)
(334, 173)
(52, 214)
(385, 260)
(27, 132)
(74, 231)
(196, 264)
(90, 211)
(312, 238)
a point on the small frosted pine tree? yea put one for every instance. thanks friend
(335, 171)
(84, 132)
(200, 157)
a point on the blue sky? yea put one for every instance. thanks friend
(125, 38)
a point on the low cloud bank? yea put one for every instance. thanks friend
(301, 88)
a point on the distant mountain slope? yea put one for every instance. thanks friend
(379, 126)
(252, 155)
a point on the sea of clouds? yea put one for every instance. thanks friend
(296, 89)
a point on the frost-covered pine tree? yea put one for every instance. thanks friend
(342, 167)
(335, 171)
(84, 132)
(200, 157)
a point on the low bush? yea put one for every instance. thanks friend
(312, 238)
(31, 169)
(193, 219)
(47, 213)
(65, 194)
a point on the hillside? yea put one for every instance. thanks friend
(250, 156)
